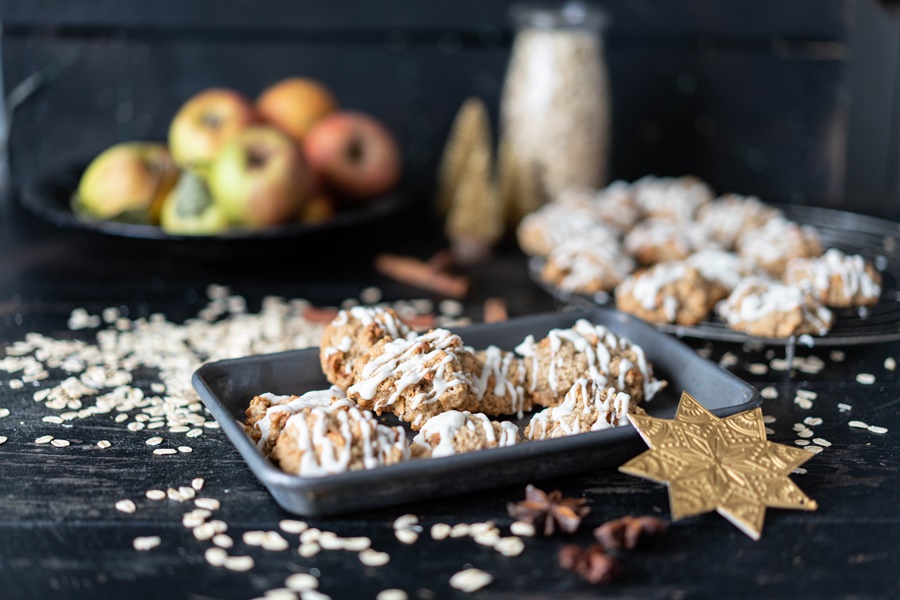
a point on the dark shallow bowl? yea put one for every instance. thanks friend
(227, 387)
(49, 197)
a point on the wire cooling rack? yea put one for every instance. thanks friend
(876, 239)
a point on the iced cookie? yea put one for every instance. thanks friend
(588, 406)
(672, 292)
(351, 334)
(340, 438)
(837, 280)
(498, 381)
(555, 363)
(267, 413)
(615, 207)
(778, 242)
(414, 379)
(723, 270)
(731, 216)
(675, 199)
(767, 308)
(455, 432)
(660, 240)
(587, 264)
(572, 214)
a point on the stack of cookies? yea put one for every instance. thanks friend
(673, 253)
(584, 378)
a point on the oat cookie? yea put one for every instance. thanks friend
(768, 308)
(586, 350)
(778, 242)
(455, 432)
(414, 378)
(267, 413)
(729, 217)
(723, 270)
(323, 441)
(675, 199)
(588, 406)
(615, 207)
(498, 381)
(588, 264)
(572, 214)
(672, 292)
(351, 334)
(837, 280)
(660, 240)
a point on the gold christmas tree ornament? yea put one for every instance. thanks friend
(466, 189)
(722, 464)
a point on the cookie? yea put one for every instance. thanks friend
(729, 217)
(588, 406)
(589, 263)
(324, 441)
(267, 413)
(498, 381)
(350, 335)
(767, 308)
(723, 270)
(660, 240)
(414, 378)
(615, 207)
(837, 280)
(671, 292)
(555, 363)
(674, 199)
(774, 245)
(455, 432)
(572, 214)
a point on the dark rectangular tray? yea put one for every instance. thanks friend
(227, 387)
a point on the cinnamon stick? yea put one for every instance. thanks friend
(417, 273)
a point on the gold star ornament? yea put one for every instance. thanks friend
(726, 465)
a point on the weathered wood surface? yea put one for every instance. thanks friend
(60, 536)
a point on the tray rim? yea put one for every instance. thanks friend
(270, 475)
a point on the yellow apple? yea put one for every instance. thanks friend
(128, 182)
(294, 105)
(260, 178)
(205, 123)
(189, 209)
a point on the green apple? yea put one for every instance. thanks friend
(260, 178)
(205, 123)
(189, 209)
(127, 182)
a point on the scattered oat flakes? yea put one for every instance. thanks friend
(858, 424)
(459, 530)
(769, 393)
(406, 536)
(813, 449)
(769, 419)
(239, 563)
(822, 442)
(877, 429)
(185, 449)
(207, 503)
(216, 557)
(391, 594)
(301, 582)
(16, 384)
(103, 444)
(806, 433)
(802, 442)
(156, 495)
(865, 378)
(729, 359)
(147, 542)
(308, 549)
(758, 368)
(837, 355)
(223, 540)
(804, 403)
(204, 531)
(890, 363)
(59, 443)
(471, 580)
(273, 542)
(769, 431)
(800, 471)
(374, 558)
(521, 528)
(509, 546)
(807, 394)
(405, 521)
(4, 412)
(3, 439)
(197, 483)
(440, 531)
(356, 544)
(292, 526)
(165, 451)
(154, 441)
(778, 364)
(842, 407)
(813, 421)
(126, 506)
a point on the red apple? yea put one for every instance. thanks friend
(354, 155)
(205, 123)
(294, 105)
(260, 178)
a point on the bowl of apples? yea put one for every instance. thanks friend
(289, 163)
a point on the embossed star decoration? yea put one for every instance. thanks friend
(726, 465)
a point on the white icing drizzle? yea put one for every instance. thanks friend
(725, 268)
(604, 406)
(615, 206)
(677, 199)
(727, 217)
(756, 298)
(316, 398)
(647, 285)
(592, 259)
(319, 454)
(498, 364)
(778, 239)
(408, 361)
(447, 424)
(851, 270)
(557, 222)
(365, 315)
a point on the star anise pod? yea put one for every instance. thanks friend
(592, 563)
(628, 532)
(547, 512)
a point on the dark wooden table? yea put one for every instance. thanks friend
(61, 537)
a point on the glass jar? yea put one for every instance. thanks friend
(555, 108)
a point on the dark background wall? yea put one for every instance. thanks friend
(756, 97)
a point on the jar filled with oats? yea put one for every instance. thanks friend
(555, 109)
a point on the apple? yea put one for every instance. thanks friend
(189, 209)
(354, 155)
(294, 105)
(260, 178)
(205, 123)
(128, 182)
(317, 209)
